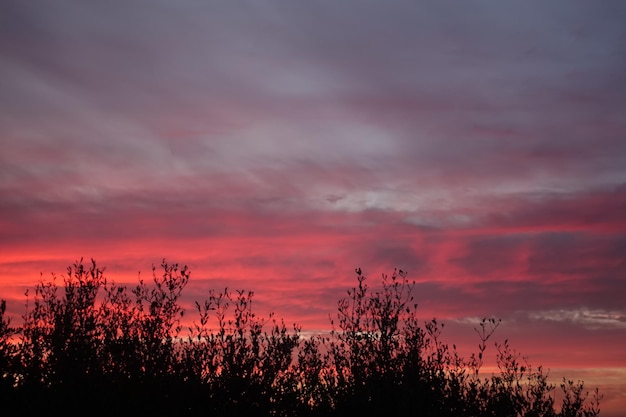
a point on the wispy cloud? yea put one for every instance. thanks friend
(591, 319)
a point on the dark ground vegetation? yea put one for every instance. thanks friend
(89, 345)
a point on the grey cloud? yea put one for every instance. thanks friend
(590, 319)
(455, 94)
(489, 256)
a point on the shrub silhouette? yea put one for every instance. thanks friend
(92, 344)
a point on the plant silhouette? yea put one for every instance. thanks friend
(91, 344)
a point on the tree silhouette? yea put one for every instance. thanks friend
(93, 344)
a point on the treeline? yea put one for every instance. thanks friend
(91, 345)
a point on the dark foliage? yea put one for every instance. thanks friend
(91, 345)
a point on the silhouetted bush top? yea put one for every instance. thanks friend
(92, 345)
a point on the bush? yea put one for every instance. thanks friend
(91, 343)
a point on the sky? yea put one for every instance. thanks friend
(277, 145)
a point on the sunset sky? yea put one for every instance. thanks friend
(277, 145)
